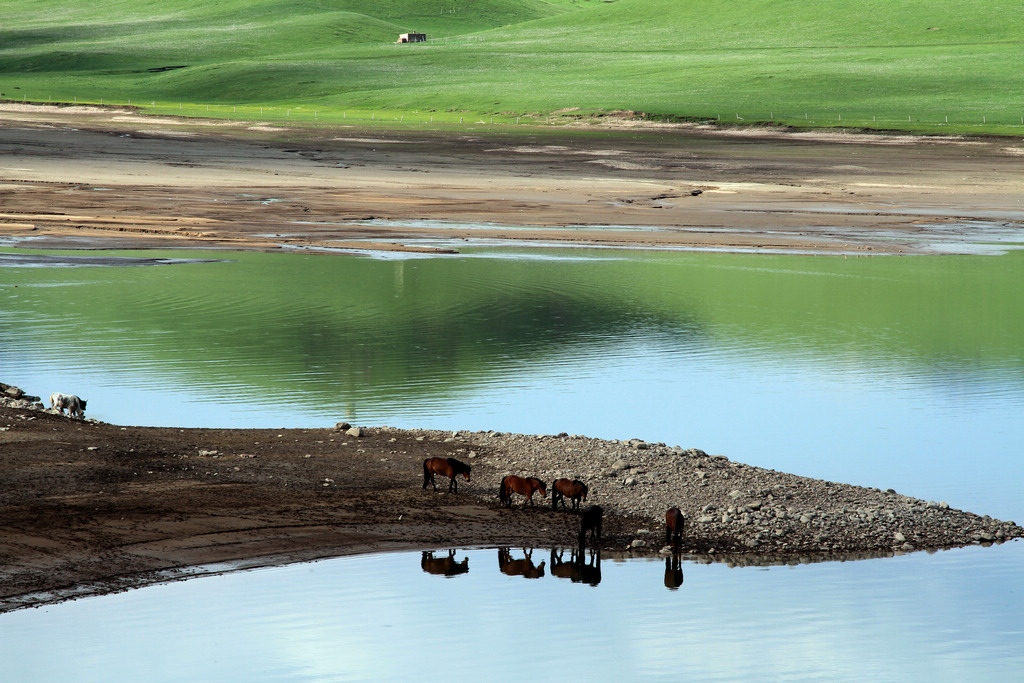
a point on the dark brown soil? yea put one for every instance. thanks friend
(88, 507)
(105, 507)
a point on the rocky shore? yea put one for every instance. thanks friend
(15, 397)
(731, 507)
(89, 507)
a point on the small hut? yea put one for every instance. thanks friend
(412, 37)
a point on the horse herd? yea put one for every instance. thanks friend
(573, 489)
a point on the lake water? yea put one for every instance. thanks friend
(382, 617)
(889, 372)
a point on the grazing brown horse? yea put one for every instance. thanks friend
(524, 486)
(524, 567)
(575, 490)
(591, 521)
(444, 566)
(449, 467)
(674, 521)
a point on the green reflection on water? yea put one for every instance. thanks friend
(263, 322)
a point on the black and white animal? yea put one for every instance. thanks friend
(74, 405)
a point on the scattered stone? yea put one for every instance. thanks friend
(736, 508)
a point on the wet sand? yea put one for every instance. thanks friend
(93, 178)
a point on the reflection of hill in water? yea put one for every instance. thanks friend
(356, 327)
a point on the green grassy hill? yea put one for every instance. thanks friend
(945, 65)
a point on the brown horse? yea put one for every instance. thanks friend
(574, 490)
(524, 486)
(449, 467)
(443, 566)
(674, 521)
(591, 521)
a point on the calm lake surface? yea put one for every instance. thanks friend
(382, 618)
(889, 372)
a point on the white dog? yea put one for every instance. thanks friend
(74, 405)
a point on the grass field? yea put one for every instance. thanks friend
(943, 66)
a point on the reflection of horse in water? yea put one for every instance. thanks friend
(674, 522)
(574, 490)
(448, 467)
(444, 566)
(591, 521)
(522, 567)
(577, 569)
(523, 486)
(673, 572)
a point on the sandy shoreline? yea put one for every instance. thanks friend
(93, 178)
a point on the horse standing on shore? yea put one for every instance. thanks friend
(575, 490)
(674, 522)
(591, 522)
(524, 486)
(448, 467)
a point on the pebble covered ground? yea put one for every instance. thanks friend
(755, 514)
(730, 507)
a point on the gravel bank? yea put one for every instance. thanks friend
(88, 507)
(731, 507)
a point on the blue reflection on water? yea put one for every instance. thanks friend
(918, 617)
(816, 401)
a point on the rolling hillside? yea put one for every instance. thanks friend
(948, 65)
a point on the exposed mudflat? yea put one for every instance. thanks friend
(88, 177)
